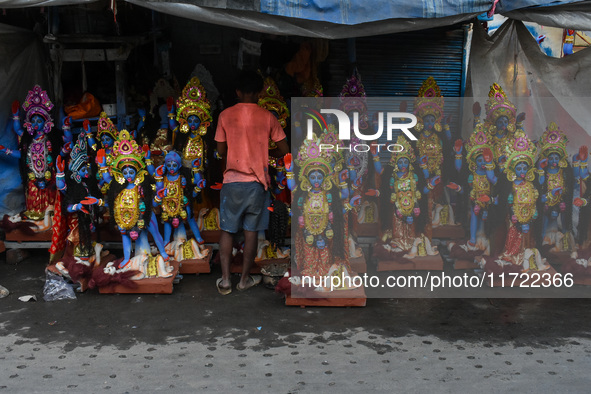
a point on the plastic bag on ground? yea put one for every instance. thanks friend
(56, 288)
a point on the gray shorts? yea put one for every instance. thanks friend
(244, 206)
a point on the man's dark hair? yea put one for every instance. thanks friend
(249, 81)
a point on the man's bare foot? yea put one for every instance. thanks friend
(224, 287)
(248, 282)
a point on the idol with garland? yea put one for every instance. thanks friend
(501, 122)
(107, 135)
(37, 151)
(433, 151)
(520, 253)
(191, 120)
(579, 262)
(353, 102)
(318, 209)
(271, 100)
(481, 185)
(403, 218)
(335, 147)
(555, 179)
(130, 202)
(81, 200)
(171, 196)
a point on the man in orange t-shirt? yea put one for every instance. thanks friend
(242, 136)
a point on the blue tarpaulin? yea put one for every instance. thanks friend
(350, 12)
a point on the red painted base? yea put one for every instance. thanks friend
(585, 282)
(197, 266)
(523, 280)
(358, 265)
(427, 263)
(448, 231)
(211, 236)
(19, 236)
(366, 229)
(338, 298)
(558, 258)
(460, 264)
(2, 247)
(145, 286)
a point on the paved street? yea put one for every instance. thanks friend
(198, 341)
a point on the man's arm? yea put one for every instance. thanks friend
(281, 150)
(222, 149)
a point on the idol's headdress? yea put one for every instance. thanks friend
(553, 141)
(126, 152)
(406, 152)
(193, 101)
(106, 126)
(271, 100)
(498, 105)
(311, 157)
(520, 149)
(479, 140)
(353, 95)
(38, 103)
(430, 102)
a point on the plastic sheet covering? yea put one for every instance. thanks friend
(40, 3)
(570, 16)
(336, 19)
(22, 65)
(545, 88)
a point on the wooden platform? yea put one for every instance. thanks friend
(427, 263)
(337, 298)
(449, 231)
(462, 264)
(197, 266)
(525, 279)
(358, 265)
(145, 286)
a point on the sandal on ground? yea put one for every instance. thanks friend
(222, 290)
(252, 281)
(3, 292)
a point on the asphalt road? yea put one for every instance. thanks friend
(198, 341)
